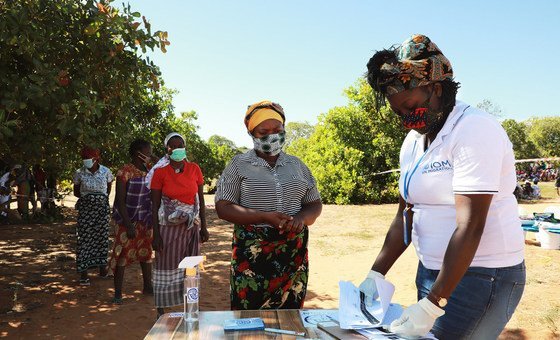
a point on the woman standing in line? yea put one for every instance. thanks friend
(178, 217)
(133, 216)
(272, 198)
(92, 185)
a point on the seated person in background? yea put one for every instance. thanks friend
(527, 192)
(518, 191)
(557, 184)
(536, 189)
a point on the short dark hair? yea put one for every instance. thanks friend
(449, 90)
(137, 145)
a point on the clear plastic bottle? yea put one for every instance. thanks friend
(191, 289)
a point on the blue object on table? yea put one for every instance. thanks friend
(527, 223)
(248, 324)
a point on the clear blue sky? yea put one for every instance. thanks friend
(225, 55)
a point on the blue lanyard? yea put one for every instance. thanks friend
(408, 174)
(407, 179)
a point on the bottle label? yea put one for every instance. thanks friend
(192, 295)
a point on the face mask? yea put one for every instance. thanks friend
(147, 161)
(178, 154)
(88, 163)
(423, 119)
(270, 144)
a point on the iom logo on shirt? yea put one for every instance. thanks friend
(437, 166)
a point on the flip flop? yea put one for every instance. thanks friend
(85, 282)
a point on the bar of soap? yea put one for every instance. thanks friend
(248, 324)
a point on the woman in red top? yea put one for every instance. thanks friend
(179, 222)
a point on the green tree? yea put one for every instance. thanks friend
(223, 149)
(523, 147)
(545, 133)
(349, 146)
(295, 130)
(73, 73)
(490, 107)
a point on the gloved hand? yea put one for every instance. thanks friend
(369, 288)
(417, 320)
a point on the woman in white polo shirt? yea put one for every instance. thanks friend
(457, 205)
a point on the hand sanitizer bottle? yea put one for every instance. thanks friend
(191, 294)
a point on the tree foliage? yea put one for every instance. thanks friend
(296, 130)
(545, 134)
(490, 107)
(523, 147)
(349, 145)
(223, 150)
(73, 73)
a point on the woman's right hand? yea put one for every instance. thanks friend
(369, 287)
(277, 219)
(157, 243)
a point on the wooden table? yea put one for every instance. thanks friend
(210, 326)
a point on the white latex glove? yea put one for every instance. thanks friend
(417, 320)
(369, 288)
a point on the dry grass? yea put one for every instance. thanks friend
(37, 263)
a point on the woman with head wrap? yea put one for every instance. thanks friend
(456, 204)
(92, 184)
(132, 213)
(272, 198)
(178, 218)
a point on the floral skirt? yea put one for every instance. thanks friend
(269, 270)
(126, 251)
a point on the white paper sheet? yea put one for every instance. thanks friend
(374, 334)
(353, 312)
(312, 317)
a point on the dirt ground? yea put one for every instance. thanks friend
(40, 298)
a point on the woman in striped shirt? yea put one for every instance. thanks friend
(271, 197)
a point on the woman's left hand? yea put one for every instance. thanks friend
(204, 235)
(295, 225)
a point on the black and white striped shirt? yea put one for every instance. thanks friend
(251, 182)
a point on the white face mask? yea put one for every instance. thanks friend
(88, 163)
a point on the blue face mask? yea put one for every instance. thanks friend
(88, 163)
(178, 154)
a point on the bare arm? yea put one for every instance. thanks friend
(394, 246)
(204, 235)
(237, 214)
(472, 211)
(310, 211)
(77, 190)
(305, 217)
(120, 202)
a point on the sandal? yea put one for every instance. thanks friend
(84, 282)
(117, 301)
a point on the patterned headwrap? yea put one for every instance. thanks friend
(261, 111)
(416, 62)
